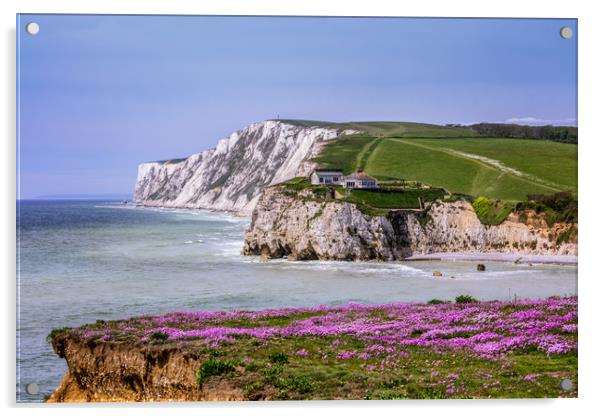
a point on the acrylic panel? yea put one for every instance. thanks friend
(291, 208)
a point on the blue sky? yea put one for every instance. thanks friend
(100, 94)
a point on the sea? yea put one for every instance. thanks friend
(79, 261)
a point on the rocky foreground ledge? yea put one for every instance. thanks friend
(461, 349)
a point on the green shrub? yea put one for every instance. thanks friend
(297, 383)
(57, 331)
(567, 235)
(301, 384)
(559, 206)
(158, 337)
(490, 211)
(465, 299)
(278, 358)
(213, 367)
(436, 302)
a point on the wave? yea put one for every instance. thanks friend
(396, 269)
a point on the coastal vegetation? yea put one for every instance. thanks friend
(394, 198)
(562, 134)
(498, 175)
(559, 207)
(442, 349)
(379, 201)
(490, 211)
(498, 161)
(508, 169)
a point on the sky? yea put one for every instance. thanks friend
(98, 95)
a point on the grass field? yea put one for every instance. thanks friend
(500, 168)
(497, 168)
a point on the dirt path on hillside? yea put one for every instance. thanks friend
(489, 164)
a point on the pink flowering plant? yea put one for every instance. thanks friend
(478, 349)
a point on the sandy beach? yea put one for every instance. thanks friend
(568, 260)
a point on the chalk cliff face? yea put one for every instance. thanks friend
(300, 227)
(231, 176)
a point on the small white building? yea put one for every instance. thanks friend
(360, 180)
(326, 177)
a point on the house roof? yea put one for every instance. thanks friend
(361, 176)
(318, 171)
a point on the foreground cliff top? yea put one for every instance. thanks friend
(435, 350)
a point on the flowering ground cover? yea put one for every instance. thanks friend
(438, 350)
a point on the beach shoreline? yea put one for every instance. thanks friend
(564, 260)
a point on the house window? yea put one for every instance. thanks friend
(350, 184)
(336, 179)
(321, 179)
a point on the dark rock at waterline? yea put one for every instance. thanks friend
(480, 267)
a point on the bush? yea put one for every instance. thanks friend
(490, 211)
(296, 383)
(213, 367)
(465, 299)
(301, 384)
(435, 302)
(56, 331)
(158, 337)
(563, 205)
(278, 358)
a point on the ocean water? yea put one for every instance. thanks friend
(79, 261)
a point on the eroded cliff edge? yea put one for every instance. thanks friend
(303, 227)
(231, 176)
(126, 372)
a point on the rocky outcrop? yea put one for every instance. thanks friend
(301, 227)
(231, 176)
(124, 372)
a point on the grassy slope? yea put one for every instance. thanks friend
(345, 153)
(442, 156)
(546, 166)
(552, 162)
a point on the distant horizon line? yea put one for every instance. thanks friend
(81, 197)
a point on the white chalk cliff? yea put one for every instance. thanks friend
(302, 227)
(230, 177)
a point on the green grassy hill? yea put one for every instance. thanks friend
(453, 158)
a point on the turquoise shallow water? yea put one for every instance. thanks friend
(80, 261)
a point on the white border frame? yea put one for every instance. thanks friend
(590, 68)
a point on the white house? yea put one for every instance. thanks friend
(326, 177)
(361, 180)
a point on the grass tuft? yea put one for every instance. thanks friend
(213, 367)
